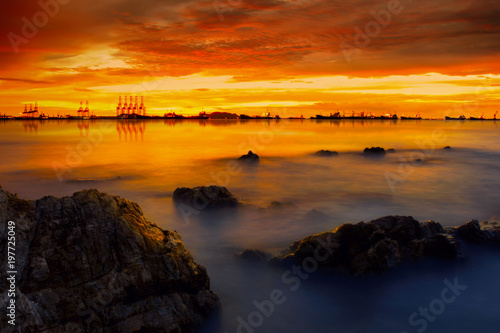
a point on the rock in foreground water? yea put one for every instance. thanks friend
(372, 247)
(374, 151)
(92, 263)
(205, 197)
(474, 232)
(251, 157)
(326, 153)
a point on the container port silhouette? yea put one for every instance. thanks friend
(130, 109)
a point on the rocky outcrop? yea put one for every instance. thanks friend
(93, 263)
(251, 157)
(205, 197)
(474, 232)
(492, 231)
(374, 151)
(326, 153)
(372, 247)
(376, 246)
(471, 232)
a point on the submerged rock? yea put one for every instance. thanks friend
(326, 153)
(279, 204)
(316, 215)
(249, 158)
(205, 197)
(374, 151)
(447, 147)
(253, 256)
(92, 262)
(372, 247)
(391, 150)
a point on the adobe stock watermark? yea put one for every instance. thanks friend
(255, 143)
(222, 6)
(30, 27)
(76, 153)
(484, 90)
(372, 29)
(428, 147)
(292, 279)
(420, 319)
(407, 165)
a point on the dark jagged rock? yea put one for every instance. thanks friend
(253, 256)
(440, 246)
(405, 230)
(372, 247)
(474, 232)
(93, 263)
(249, 158)
(374, 151)
(431, 228)
(326, 153)
(471, 232)
(447, 147)
(205, 197)
(491, 229)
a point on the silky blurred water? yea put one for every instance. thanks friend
(145, 161)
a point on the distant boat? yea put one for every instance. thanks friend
(417, 117)
(265, 115)
(132, 116)
(462, 117)
(173, 115)
(482, 117)
(362, 115)
(335, 115)
(387, 116)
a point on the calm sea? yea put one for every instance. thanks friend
(145, 161)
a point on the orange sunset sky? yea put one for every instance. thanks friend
(435, 57)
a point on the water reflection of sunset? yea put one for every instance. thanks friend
(131, 130)
(132, 149)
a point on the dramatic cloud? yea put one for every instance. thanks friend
(65, 48)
